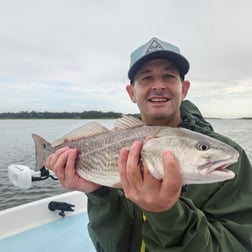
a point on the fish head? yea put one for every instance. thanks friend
(202, 159)
(208, 160)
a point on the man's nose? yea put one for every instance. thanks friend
(158, 85)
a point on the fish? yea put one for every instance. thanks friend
(202, 159)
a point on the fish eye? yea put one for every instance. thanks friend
(202, 146)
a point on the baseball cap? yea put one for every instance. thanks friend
(154, 49)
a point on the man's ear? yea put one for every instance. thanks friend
(185, 88)
(130, 90)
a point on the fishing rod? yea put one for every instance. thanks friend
(22, 176)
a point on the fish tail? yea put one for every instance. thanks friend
(42, 150)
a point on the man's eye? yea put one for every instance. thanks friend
(147, 78)
(168, 76)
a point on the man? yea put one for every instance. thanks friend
(153, 215)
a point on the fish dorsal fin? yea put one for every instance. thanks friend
(126, 122)
(87, 130)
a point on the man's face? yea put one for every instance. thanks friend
(158, 91)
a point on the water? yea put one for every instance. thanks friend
(16, 146)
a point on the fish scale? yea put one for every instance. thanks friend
(104, 152)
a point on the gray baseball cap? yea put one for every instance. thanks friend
(154, 49)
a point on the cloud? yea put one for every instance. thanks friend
(74, 55)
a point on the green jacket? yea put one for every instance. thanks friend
(207, 218)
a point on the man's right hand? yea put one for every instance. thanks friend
(62, 163)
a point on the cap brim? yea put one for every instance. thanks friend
(180, 61)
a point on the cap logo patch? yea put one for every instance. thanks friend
(154, 46)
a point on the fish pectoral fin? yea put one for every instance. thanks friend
(126, 122)
(87, 130)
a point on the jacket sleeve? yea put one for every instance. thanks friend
(111, 226)
(220, 222)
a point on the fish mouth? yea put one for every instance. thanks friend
(221, 168)
(218, 166)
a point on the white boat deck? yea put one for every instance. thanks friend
(34, 228)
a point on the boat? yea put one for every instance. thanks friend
(57, 223)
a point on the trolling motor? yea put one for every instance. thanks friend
(22, 176)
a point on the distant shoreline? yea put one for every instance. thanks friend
(62, 115)
(78, 115)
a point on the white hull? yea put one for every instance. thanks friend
(33, 227)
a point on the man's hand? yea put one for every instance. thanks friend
(142, 188)
(62, 163)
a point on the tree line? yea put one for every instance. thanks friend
(60, 115)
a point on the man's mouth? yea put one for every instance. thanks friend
(158, 99)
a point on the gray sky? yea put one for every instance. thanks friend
(59, 55)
